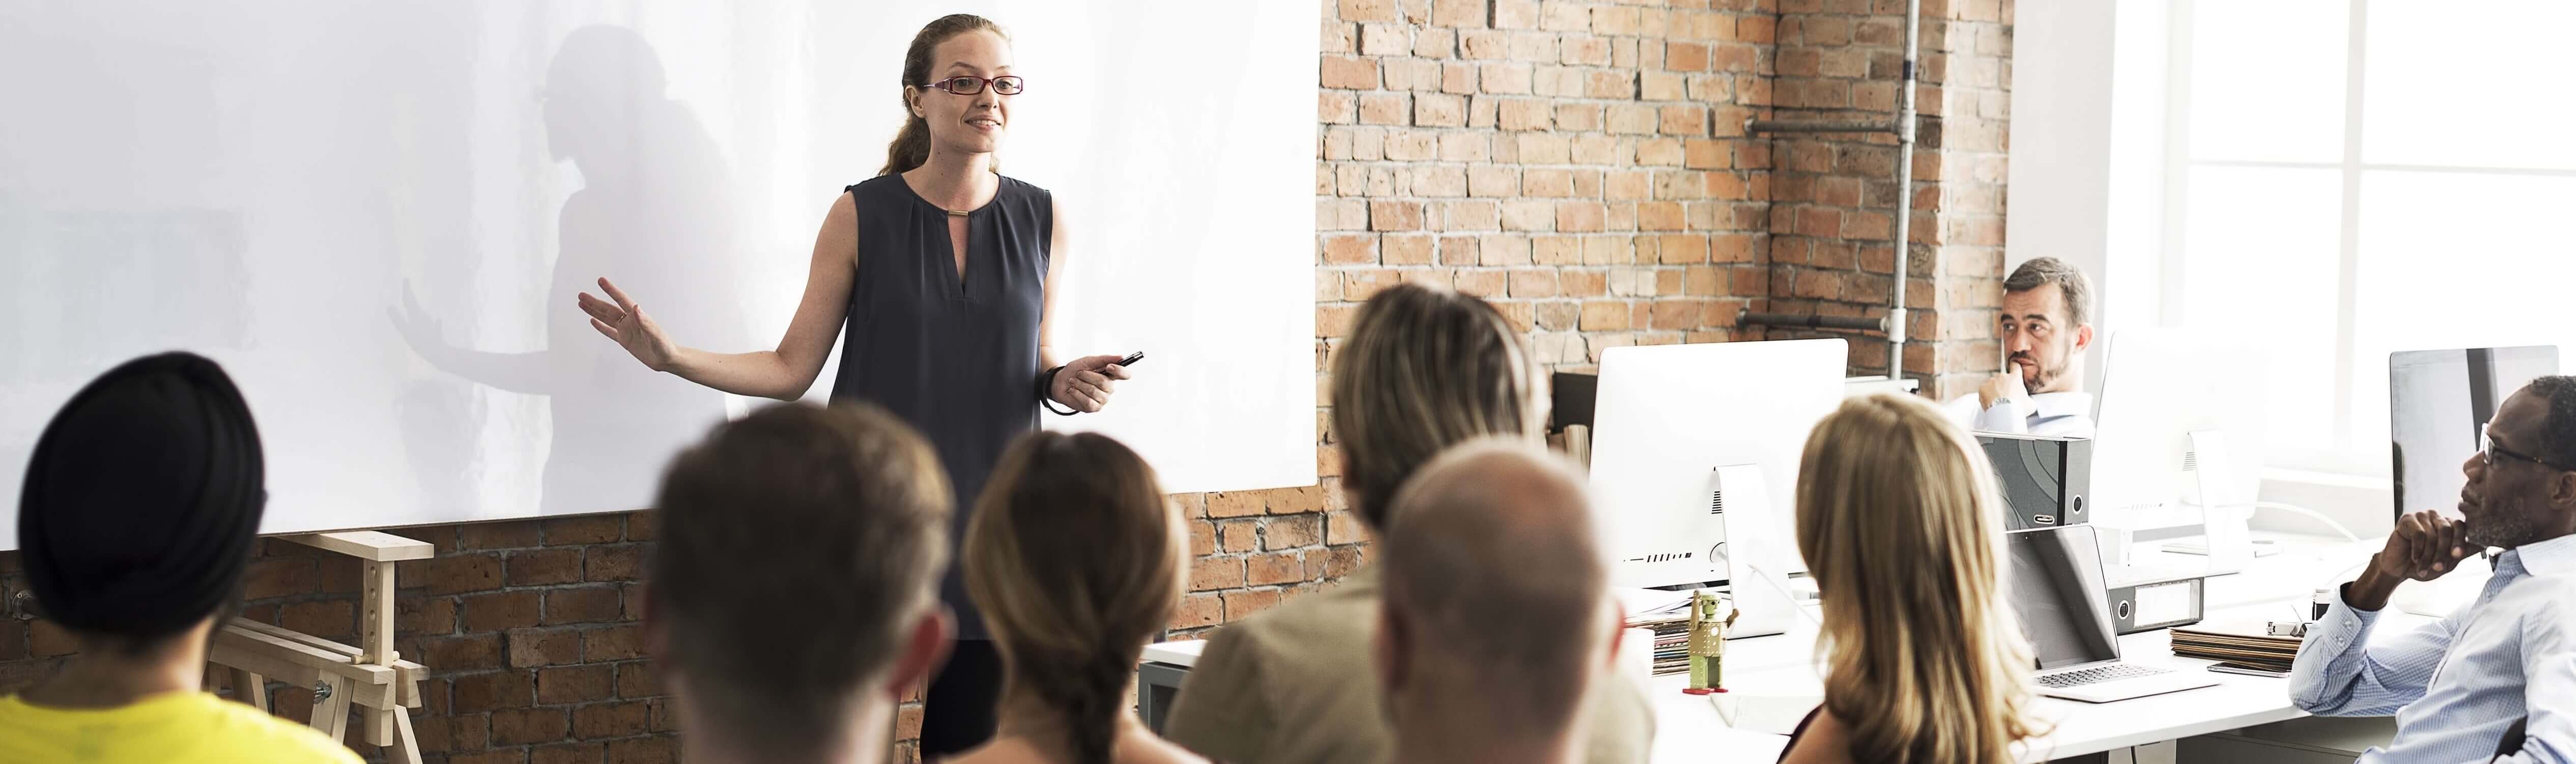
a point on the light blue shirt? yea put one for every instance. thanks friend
(2056, 415)
(2456, 684)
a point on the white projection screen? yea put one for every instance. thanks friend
(376, 216)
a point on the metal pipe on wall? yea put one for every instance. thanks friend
(1904, 128)
(1851, 126)
(1811, 321)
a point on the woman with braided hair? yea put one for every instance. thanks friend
(1075, 557)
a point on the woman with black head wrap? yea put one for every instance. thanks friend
(138, 515)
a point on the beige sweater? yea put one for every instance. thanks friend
(1294, 685)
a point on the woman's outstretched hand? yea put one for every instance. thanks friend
(1085, 384)
(625, 322)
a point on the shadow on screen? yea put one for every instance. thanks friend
(652, 214)
(2055, 576)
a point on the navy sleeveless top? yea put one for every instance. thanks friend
(955, 357)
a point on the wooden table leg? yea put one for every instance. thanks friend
(380, 725)
(376, 616)
(331, 715)
(406, 745)
(251, 688)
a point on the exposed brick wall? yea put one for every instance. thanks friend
(529, 627)
(1581, 164)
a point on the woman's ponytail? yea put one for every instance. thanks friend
(1075, 556)
(1089, 691)
(910, 147)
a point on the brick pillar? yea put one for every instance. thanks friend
(1974, 101)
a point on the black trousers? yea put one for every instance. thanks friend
(957, 712)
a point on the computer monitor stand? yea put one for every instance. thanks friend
(1752, 550)
(2226, 539)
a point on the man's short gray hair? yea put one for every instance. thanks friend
(1490, 549)
(2070, 282)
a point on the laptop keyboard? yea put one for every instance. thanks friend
(2110, 673)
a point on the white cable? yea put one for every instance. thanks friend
(2302, 607)
(1795, 602)
(2348, 535)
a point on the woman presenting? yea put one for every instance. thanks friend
(941, 270)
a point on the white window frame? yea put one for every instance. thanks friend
(2170, 290)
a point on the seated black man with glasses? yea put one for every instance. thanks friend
(2457, 685)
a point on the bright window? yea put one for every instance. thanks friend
(2348, 178)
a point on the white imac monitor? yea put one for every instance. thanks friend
(2439, 402)
(1690, 440)
(2179, 427)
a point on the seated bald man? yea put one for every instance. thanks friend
(139, 512)
(1497, 617)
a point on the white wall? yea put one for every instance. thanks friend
(377, 215)
(2057, 191)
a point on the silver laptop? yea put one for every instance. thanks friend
(2056, 587)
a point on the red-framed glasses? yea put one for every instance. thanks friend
(1003, 85)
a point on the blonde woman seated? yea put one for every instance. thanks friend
(1075, 557)
(1902, 530)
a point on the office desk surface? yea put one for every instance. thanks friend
(1775, 677)
(1772, 678)
(1691, 729)
(2305, 564)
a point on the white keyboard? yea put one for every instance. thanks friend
(2098, 675)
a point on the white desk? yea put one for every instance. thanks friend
(1779, 673)
(2283, 580)
(1689, 727)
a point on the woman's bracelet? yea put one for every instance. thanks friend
(1046, 384)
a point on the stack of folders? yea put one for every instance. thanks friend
(2237, 647)
(1672, 637)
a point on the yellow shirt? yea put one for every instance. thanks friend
(177, 727)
